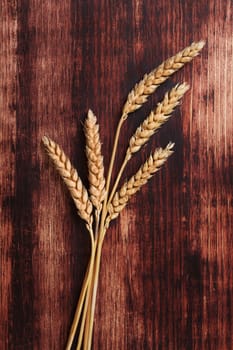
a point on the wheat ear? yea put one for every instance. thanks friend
(138, 96)
(72, 180)
(156, 118)
(95, 161)
(145, 172)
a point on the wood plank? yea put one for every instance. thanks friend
(166, 273)
(7, 162)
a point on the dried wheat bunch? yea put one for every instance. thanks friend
(138, 96)
(109, 204)
(95, 161)
(149, 168)
(156, 118)
(72, 180)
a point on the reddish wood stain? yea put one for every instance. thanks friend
(167, 269)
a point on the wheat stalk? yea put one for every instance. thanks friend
(72, 180)
(95, 161)
(156, 118)
(110, 204)
(138, 96)
(145, 172)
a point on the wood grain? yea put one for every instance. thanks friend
(167, 268)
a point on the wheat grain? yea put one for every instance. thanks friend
(72, 180)
(151, 166)
(151, 81)
(95, 161)
(156, 118)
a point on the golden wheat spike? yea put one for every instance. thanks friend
(138, 96)
(72, 180)
(156, 118)
(95, 161)
(145, 172)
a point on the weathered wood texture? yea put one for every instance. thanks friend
(167, 269)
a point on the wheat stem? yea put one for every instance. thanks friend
(85, 293)
(80, 338)
(82, 296)
(88, 316)
(94, 288)
(86, 332)
(116, 140)
(78, 310)
(113, 156)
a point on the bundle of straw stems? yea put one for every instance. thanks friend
(97, 205)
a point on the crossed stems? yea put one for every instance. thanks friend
(87, 298)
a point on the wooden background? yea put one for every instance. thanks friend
(167, 268)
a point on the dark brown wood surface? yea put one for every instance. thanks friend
(167, 270)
